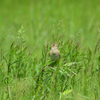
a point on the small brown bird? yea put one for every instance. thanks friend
(54, 52)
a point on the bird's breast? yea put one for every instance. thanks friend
(54, 54)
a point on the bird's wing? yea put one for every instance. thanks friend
(59, 53)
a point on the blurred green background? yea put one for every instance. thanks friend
(43, 19)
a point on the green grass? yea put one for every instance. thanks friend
(28, 28)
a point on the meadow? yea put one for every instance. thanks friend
(27, 30)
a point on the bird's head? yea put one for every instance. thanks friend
(54, 45)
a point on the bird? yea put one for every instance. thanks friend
(54, 52)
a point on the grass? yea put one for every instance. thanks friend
(28, 28)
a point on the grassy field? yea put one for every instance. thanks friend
(27, 30)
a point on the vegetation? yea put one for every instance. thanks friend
(28, 28)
